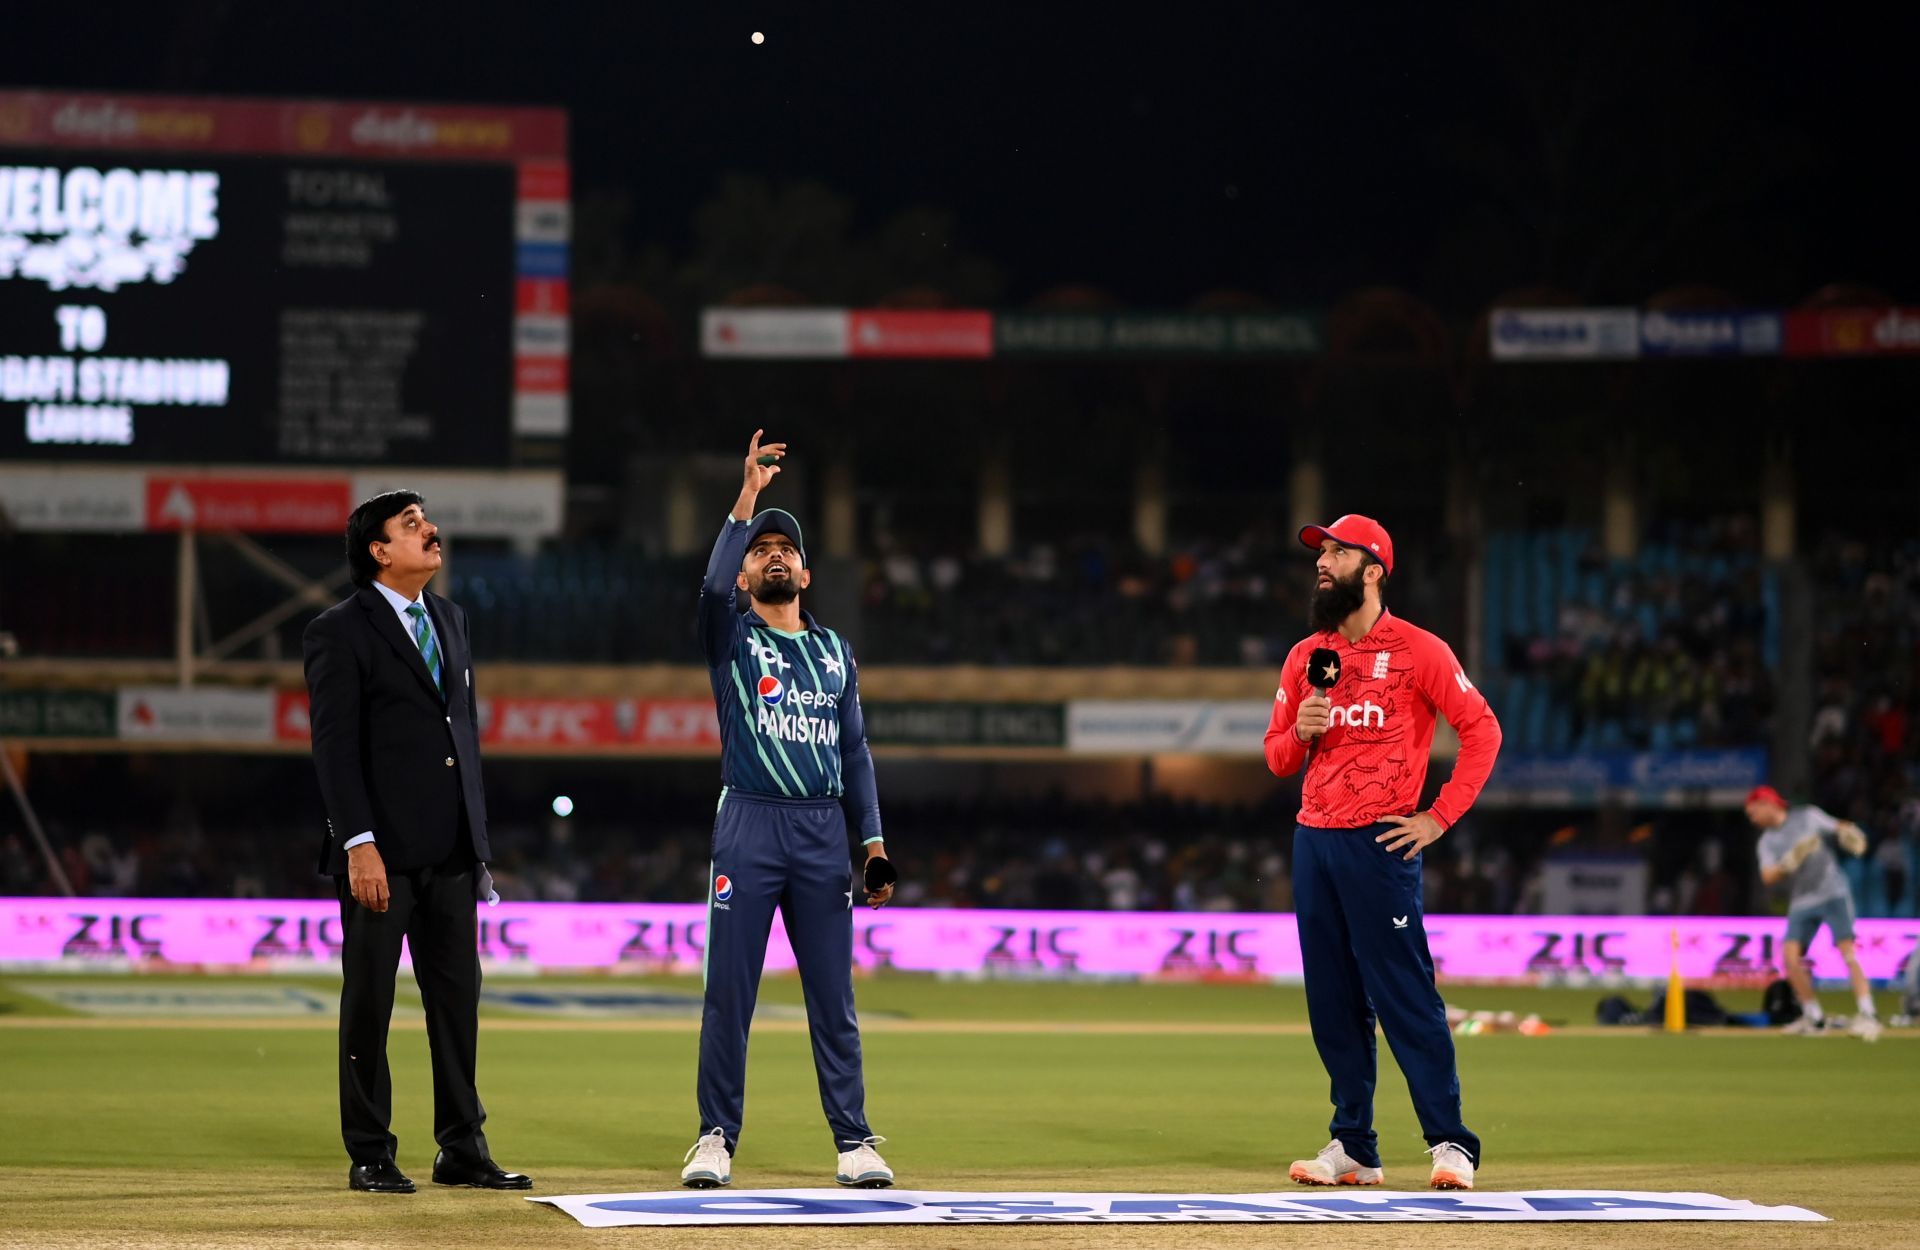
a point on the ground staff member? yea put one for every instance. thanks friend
(793, 756)
(1793, 852)
(1356, 706)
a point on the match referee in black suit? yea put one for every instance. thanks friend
(396, 742)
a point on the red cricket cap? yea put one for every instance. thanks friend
(1353, 530)
(1765, 794)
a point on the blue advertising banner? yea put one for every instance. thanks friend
(1655, 778)
(1711, 333)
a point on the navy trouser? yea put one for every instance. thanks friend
(789, 853)
(1364, 943)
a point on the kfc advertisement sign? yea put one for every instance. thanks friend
(531, 726)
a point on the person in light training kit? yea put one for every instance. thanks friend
(1356, 707)
(1793, 849)
(795, 765)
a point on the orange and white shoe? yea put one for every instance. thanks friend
(1333, 1166)
(1451, 1167)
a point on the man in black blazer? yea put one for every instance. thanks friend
(396, 742)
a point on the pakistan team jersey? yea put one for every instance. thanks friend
(788, 703)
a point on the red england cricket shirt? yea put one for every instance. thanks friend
(1372, 760)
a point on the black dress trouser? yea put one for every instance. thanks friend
(433, 909)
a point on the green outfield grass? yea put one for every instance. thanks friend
(224, 1132)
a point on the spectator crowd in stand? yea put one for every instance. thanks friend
(1161, 854)
(1085, 602)
(1213, 600)
(1674, 648)
(1670, 649)
(1865, 737)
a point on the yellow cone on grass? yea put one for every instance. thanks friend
(1676, 989)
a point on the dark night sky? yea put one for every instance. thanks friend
(1162, 150)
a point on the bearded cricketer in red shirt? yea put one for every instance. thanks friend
(1356, 706)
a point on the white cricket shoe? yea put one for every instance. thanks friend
(1866, 1028)
(863, 1168)
(1805, 1026)
(709, 1166)
(1333, 1166)
(1451, 1167)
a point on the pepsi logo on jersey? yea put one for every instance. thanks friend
(772, 691)
(722, 890)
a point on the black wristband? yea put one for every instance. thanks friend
(880, 874)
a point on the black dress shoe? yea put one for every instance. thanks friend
(486, 1174)
(378, 1178)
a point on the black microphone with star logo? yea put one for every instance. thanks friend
(1323, 669)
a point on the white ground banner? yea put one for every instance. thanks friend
(889, 1206)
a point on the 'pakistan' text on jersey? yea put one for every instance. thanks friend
(788, 704)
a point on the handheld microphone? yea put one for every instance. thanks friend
(1323, 670)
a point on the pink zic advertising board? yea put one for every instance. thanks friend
(216, 933)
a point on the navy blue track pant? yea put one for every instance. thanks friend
(789, 853)
(1364, 943)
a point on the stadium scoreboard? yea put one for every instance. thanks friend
(280, 283)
